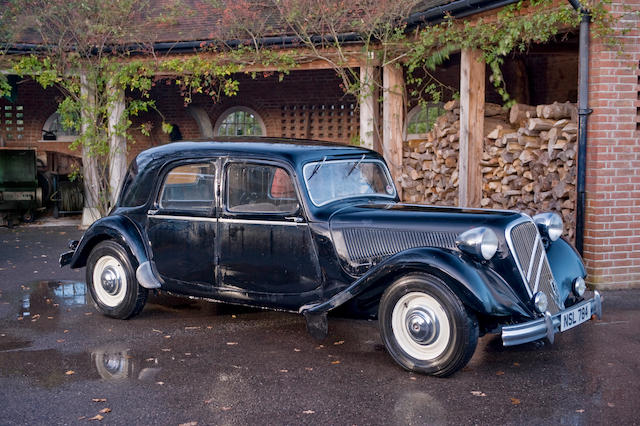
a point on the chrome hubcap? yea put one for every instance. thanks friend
(422, 325)
(110, 280)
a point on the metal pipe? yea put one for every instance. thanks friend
(583, 118)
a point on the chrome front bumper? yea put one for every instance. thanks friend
(546, 326)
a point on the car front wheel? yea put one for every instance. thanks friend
(112, 282)
(425, 327)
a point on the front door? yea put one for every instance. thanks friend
(266, 249)
(182, 227)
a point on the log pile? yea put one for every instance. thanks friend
(528, 164)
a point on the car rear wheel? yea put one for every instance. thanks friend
(112, 282)
(425, 327)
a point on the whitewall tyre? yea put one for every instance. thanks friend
(425, 327)
(112, 283)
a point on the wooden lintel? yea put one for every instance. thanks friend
(472, 77)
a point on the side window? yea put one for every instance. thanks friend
(259, 188)
(189, 187)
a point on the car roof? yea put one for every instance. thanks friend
(295, 151)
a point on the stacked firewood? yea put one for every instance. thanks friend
(528, 163)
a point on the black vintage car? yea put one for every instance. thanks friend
(307, 227)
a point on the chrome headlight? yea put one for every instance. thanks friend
(481, 242)
(549, 224)
(540, 302)
(579, 286)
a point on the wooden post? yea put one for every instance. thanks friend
(392, 121)
(369, 115)
(117, 142)
(472, 75)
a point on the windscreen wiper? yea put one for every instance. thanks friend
(317, 167)
(356, 165)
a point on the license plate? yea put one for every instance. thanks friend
(575, 316)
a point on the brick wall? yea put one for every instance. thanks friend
(612, 235)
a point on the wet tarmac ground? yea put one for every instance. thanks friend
(184, 361)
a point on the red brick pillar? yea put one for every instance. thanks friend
(612, 220)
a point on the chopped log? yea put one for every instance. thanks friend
(518, 113)
(557, 110)
(540, 124)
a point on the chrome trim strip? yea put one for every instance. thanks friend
(540, 265)
(262, 222)
(533, 257)
(546, 326)
(190, 218)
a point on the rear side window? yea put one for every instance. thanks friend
(189, 187)
(260, 188)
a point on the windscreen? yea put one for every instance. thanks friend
(330, 180)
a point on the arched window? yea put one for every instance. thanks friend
(54, 129)
(422, 118)
(240, 121)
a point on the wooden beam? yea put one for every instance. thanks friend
(369, 111)
(393, 121)
(472, 76)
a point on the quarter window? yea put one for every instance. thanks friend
(189, 187)
(260, 188)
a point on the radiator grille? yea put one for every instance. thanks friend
(531, 257)
(364, 244)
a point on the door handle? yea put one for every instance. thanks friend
(296, 219)
(152, 212)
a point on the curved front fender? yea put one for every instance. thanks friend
(478, 286)
(566, 265)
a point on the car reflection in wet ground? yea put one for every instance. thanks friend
(186, 361)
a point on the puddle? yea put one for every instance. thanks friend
(43, 298)
(117, 364)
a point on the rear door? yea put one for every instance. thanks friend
(266, 250)
(182, 225)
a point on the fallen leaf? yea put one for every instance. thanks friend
(580, 411)
(105, 410)
(60, 340)
(192, 328)
(20, 318)
(225, 408)
(233, 316)
(189, 424)
(232, 343)
(99, 399)
(308, 412)
(167, 337)
(515, 401)
(70, 372)
(165, 350)
(97, 417)
(150, 359)
(500, 373)
(308, 368)
(82, 417)
(208, 401)
(88, 313)
(516, 364)
(611, 404)
(319, 346)
(156, 331)
(296, 350)
(49, 317)
(339, 342)
(160, 383)
(187, 353)
(412, 378)
(65, 331)
(209, 327)
(478, 393)
(284, 371)
(335, 362)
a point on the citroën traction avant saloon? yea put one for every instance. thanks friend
(309, 226)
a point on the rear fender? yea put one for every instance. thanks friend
(479, 287)
(123, 231)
